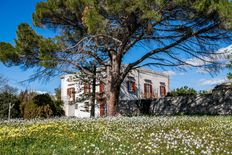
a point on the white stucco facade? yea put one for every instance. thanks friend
(139, 84)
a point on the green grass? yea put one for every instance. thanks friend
(136, 135)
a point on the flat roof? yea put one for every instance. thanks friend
(140, 69)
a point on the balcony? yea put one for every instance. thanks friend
(148, 96)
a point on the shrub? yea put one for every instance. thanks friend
(32, 110)
(5, 99)
(42, 106)
(204, 92)
(42, 99)
(183, 91)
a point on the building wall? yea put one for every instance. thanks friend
(139, 76)
(69, 109)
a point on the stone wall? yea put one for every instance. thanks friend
(219, 102)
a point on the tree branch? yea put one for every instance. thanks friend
(187, 35)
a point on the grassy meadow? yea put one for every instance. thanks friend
(135, 135)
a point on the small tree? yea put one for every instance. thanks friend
(58, 94)
(58, 103)
(183, 91)
(204, 92)
(9, 103)
(42, 106)
(91, 81)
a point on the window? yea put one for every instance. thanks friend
(101, 87)
(131, 86)
(86, 88)
(147, 89)
(71, 94)
(86, 106)
(76, 106)
(70, 79)
(162, 89)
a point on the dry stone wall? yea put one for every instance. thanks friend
(219, 102)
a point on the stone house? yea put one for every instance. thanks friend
(139, 84)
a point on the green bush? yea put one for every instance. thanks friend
(6, 98)
(204, 92)
(183, 91)
(42, 100)
(42, 106)
(32, 110)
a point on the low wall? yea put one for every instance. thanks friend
(219, 102)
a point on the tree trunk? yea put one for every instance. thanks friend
(93, 98)
(9, 110)
(113, 102)
(113, 85)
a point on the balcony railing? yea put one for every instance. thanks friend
(148, 96)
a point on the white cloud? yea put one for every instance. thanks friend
(219, 56)
(202, 71)
(213, 81)
(41, 92)
(181, 73)
(170, 73)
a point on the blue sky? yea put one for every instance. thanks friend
(14, 12)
